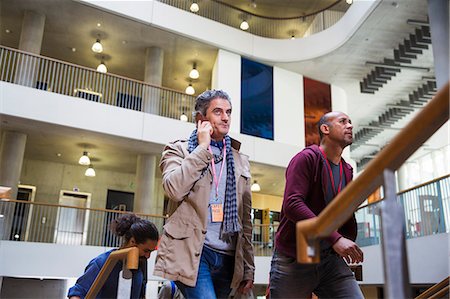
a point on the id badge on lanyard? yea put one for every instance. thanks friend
(217, 208)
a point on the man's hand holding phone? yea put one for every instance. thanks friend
(204, 132)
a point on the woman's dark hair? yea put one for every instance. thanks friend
(130, 225)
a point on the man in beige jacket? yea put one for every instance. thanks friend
(206, 247)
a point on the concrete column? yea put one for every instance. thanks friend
(144, 198)
(438, 14)
(154, 62)
(32, 32)
(30, 41)
(12, 150)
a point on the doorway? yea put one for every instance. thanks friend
(118, 201)
(22, 213)
(72, 220)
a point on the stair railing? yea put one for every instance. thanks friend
(130, 257)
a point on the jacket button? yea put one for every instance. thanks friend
(197, 253)
(204, 232)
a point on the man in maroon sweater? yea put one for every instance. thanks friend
(313, 178)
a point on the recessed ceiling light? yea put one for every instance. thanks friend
(58, 154)
(74, 49)
(99, 25)
(7, 31)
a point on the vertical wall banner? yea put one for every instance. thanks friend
(256, 99)
(317, 101)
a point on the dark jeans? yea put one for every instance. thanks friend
(215, 273)
(331, 278)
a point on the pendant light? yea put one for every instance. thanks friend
(84, 160)
(194, 74)
(90, 171)
(194, 7)
(255, 187)
(244, 25)
(190, 89)
(183, 117)
(97, 46)
(102, 67)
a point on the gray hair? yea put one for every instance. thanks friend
(202, 101)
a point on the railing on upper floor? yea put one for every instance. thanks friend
(271, 27)
(263, 238)
(61, 224)
(65, 78)
(426, 208)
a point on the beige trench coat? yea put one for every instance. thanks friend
(187, 180)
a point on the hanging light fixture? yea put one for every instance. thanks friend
(90, 171)
(102, 67)
(183, 117)
(194, 74)
(255, 187)
(97, 46)
(189, 89)
(84, 160)
(194, 7)
(244, 25)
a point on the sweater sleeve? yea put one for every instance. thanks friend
(84, 283)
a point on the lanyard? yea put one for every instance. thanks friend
(217, 180)
(331, 173)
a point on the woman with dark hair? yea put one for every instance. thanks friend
(136, 232)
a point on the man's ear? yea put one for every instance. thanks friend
(325, 129)
(198, 117)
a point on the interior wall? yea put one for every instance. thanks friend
(227, 76)
(289, 126)
(50, 178)
(265, 201)
(32, 288)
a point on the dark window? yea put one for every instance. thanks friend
(256, 99)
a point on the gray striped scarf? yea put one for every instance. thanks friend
(230, 224)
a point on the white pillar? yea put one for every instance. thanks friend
(30, 41)
(438, 15)
(154, 62)
(12, 149)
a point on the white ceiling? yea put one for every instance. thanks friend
(70, 24)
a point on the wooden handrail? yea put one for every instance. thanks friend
(422, 127)
(435, 289)
(131, 255)
(80, 208)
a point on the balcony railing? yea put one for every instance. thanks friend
(48, 223)
(279, 28)
(426, 208)
(88, 84)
